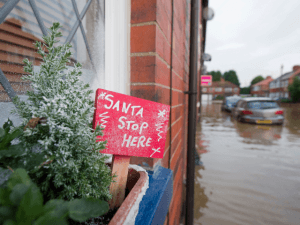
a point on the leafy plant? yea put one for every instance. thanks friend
(21, 202)
(13, 156)
(294, 89)
(74, 167)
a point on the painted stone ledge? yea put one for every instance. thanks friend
(155, 204)
(137, 184)
(149, 197)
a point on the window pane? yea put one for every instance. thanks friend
(21, 29)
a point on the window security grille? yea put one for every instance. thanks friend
(9, 5)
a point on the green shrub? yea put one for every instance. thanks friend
(74, 167)
(220, 97)
(21, 202)
(294, 90)
(286, 100)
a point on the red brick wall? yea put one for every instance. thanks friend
(152, 60)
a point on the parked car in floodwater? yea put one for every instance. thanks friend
(229, 102)
(259, 110)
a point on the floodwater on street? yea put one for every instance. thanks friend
(248, 174)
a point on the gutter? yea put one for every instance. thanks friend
(192, 110)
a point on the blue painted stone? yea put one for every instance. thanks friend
(154, 206)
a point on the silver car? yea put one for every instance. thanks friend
(258, 110)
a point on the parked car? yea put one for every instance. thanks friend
(229, 102)
(259, 110)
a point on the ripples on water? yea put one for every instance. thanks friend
(250, 173)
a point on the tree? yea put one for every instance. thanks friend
(216, 75)
(257, 79)
(245, 91)
(294, 89)
(232, 77)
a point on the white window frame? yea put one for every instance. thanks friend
(117, 46)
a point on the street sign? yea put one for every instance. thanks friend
(133, 126)
(206, 80)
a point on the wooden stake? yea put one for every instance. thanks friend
(117, 189)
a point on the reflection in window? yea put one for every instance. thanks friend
(21, 29)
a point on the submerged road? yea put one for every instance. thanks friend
(250, 174)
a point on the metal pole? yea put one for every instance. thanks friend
(192, 110)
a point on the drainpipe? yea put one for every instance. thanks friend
(192, 111)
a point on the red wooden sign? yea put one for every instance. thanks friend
(132, 126)
(206, 80)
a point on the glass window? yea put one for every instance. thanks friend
(27, 23)
(204, 89)
(228, 89)
(262, 105)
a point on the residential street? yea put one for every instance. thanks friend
(249, 173)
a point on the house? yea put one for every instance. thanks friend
(279, 86)
(224, 88)
(261, 89)
(135, 47)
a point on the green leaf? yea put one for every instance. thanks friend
(4, 196)
(18, 177)
(17, 193)
(9, 137)
(2, 133)
(6, 212)
(7, 124)
(9, 222)
(49, 219)
(82, 209)
(54, 212)
(31, 206)
(13, 150)
(57, 207)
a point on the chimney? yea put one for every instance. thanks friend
(268, 77)
(296, 67)
(222, 80)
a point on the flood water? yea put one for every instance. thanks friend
(250, 174)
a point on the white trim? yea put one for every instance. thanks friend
(117, 47)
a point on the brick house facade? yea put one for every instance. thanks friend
(160, 72)
(159, 43)
(261, 89)
(279, 86)
(224, 88)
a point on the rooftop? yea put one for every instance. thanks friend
(264, 82)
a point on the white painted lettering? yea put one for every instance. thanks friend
(144, 125)
(140, 112)
(108, 99)
(128, 124)
(135, 126)
(121, 121)
(126, 140)
(148, 142)
(133, 142)
(117, 105)
(133, 107)
(124, 109)
(141, 141)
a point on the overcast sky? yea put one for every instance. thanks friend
(253, 37)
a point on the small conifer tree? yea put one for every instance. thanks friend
(74, 167)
